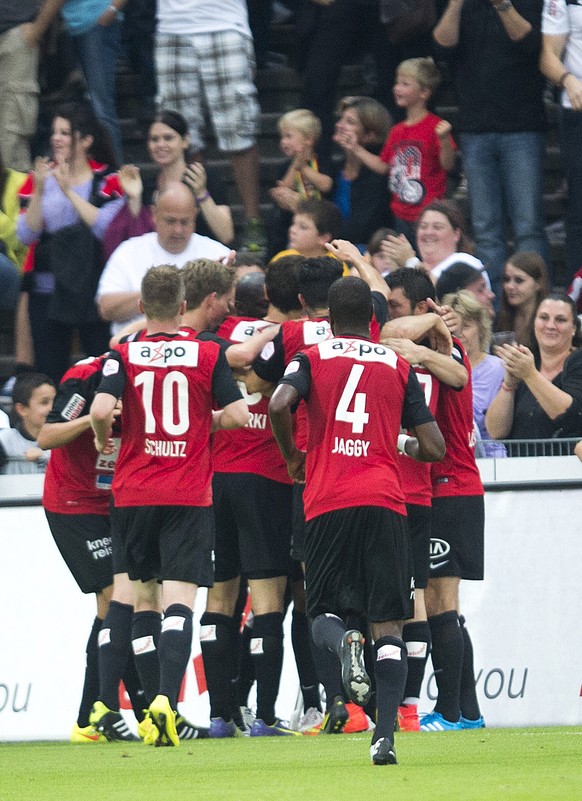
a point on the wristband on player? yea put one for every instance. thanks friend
(401, 442)
(412, 262)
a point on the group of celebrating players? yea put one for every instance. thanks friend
(289, 449)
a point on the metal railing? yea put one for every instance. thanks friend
(531, 447)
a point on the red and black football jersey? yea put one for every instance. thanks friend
(357, 394)
(457, 473)
(251, 449)
(78, 479)
(416, 476)
(168, 385)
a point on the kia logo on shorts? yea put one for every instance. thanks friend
(439, 548)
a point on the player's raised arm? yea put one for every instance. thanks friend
(282, 400)
(101, 414)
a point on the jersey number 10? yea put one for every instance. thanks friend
(175, 413)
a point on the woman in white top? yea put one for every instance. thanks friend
(441, 240)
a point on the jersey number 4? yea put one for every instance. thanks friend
(174, 402)
(357, 415)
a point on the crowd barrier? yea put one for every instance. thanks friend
(522, 618)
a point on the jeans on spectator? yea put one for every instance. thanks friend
(504, 175)
(9, 283)
(98, 50)
(139, 29)
(571, 150)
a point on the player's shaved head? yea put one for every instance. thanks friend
(350, 305)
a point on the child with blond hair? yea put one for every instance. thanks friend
(419, 151)
(299, 132)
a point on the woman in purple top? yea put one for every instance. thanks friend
(474, 331)
(71, 201)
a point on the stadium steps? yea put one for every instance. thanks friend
(279, 90)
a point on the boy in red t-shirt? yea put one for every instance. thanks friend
(419, 151)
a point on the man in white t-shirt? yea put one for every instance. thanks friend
(173, 242)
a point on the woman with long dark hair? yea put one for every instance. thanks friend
(525, 284)
(169, 148)
(72, 198)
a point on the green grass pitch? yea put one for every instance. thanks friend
(486, 765)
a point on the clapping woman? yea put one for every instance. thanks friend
(541, 393)
(72, 198)
(168, 146)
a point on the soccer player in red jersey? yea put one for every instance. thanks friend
(252, 504)
(457, 552)
(76, 499)
(209, 294)
(357, 552)
(315, 278)
(409, 291)
(162, 485)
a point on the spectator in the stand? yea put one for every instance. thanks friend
(315, 223)
(331, 33)
(419, 151)
(168, 146)
(493, 50)
(299, 132)
(173, 242)
(22, 26)
(460, 276)
(32, 397)
(525, 284)
(72, 200)
(138, 34)
(302, 176)
(12, 252)
(204, 57)
(541, 393)
(96, 32)
(487, 371)
(441, 240)
(360, 194)
(376, 256)
(10, 183)
(561, 62)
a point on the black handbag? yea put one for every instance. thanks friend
(71, 262)
(76, 259)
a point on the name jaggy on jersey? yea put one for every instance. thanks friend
(160, 447)
(351, 447)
